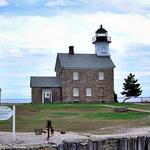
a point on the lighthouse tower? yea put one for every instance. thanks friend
(101, 41)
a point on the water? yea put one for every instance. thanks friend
(120, 99)
(16, 101)
(135, 100)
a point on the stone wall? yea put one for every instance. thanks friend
(56, 94)
(131, 143)
(120, 143)
(87, 79)
(37, 94)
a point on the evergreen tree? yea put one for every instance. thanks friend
(131, 88)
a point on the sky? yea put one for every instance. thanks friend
(32, 32)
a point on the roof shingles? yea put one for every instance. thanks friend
(45, 82)
(76, 61)
(85, 61)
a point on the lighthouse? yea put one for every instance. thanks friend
(101, 41)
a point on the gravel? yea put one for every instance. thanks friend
(30, 138)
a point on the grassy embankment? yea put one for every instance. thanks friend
(75, 117)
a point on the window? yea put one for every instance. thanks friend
(47, 94)
(75, 75)
(76, 101)
(75, 92)
(88, 92)
(101, 91)
(101, 75)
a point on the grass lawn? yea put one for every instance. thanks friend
(75, 117)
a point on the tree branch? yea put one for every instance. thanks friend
(126, 99)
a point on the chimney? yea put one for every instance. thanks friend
(71, 50)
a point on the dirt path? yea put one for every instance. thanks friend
(131, 109)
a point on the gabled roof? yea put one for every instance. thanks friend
(84, 61)
(45, 82)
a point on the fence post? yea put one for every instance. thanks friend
(0, 96)
(14, 123)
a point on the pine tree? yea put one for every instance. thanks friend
(131, 88)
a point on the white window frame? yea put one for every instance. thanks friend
(88, 92)
(75, 75)
(76, 92)
(101, 75)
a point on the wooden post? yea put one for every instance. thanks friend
(49, 126)
(14, 123)
(0, 96)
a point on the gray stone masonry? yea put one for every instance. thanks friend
(120, 143)
(37, 94)
(88, 78)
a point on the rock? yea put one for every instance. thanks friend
(62, 132)
(121, 109)
(38, 131)
(44, 131)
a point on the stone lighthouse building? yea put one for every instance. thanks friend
(79, 77)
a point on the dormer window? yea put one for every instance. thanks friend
(101, 75)
(75, 75)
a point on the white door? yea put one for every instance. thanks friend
(46, 96)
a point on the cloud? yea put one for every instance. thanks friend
(3, 3)
(20, 69)
(32, 42)
(119, 6)
(55, 3)
(24, 2)
(33, 33)
(53, 7)
(136, 6)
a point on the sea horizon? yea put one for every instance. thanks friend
(16, 100)
(120, 99)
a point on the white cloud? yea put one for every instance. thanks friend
(54, 3)
(136, 6)
(24, 2)
(20, 35)
(3, 3)
(143, 73)
(30, 34)
(126, 6)
(61, 31)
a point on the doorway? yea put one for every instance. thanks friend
(46, 96)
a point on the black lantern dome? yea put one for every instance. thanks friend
(101, 35)
(101, 30)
